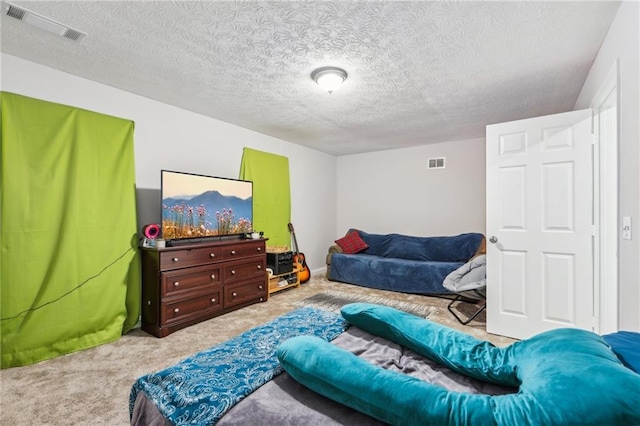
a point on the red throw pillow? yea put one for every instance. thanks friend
(352, 243)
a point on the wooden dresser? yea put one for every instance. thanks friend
(186, 284)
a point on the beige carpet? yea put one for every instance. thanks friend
(92, 387)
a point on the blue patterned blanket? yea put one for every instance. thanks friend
(202, 388)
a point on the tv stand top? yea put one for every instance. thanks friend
(201, 240)
(205, 242)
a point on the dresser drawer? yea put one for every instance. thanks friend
(189, 308)
(173, 259)
(243, 270)
(245, 292)
(244, 250)
(179, 281)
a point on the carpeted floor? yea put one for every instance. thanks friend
(92, 387)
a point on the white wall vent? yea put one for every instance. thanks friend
(436, 163)
(44, 23)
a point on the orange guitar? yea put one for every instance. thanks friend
(303, 270)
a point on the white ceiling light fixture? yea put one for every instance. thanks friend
(43, 22)
(329, 78)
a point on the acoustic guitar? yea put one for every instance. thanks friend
(303, 270)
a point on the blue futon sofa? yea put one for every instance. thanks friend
(403, 263)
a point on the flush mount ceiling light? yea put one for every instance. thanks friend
(329, 78)
(43, 22)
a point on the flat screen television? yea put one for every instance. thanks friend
(197, 206)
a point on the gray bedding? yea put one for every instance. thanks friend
(284, 401)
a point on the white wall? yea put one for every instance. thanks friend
(171, 138)
(394, 191)
(623, 43)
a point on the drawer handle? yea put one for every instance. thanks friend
(259, 266)
(259, 249)
(176, 284)
(233, 252)
(176, 310)
(261, 299)
(234, 294)
(259, 287)
(213, 300)
(233, 272)
(212, 255)
(175, 259)
(213, 276)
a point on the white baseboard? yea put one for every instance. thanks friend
(319, 271)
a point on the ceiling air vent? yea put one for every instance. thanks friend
(43, 23)
(436, 163)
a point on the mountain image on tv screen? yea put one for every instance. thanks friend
(195, 206)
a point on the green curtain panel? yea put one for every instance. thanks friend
(271, 194)
(70, 273)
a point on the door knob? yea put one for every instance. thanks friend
(493, 240)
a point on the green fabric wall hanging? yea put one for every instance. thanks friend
(271, 194)
(70, 275)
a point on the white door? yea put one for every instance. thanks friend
(539, 224)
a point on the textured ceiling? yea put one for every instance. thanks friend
(419, 72)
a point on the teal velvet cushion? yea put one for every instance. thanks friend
(392, 397)
(626, 345)
(565, 376)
